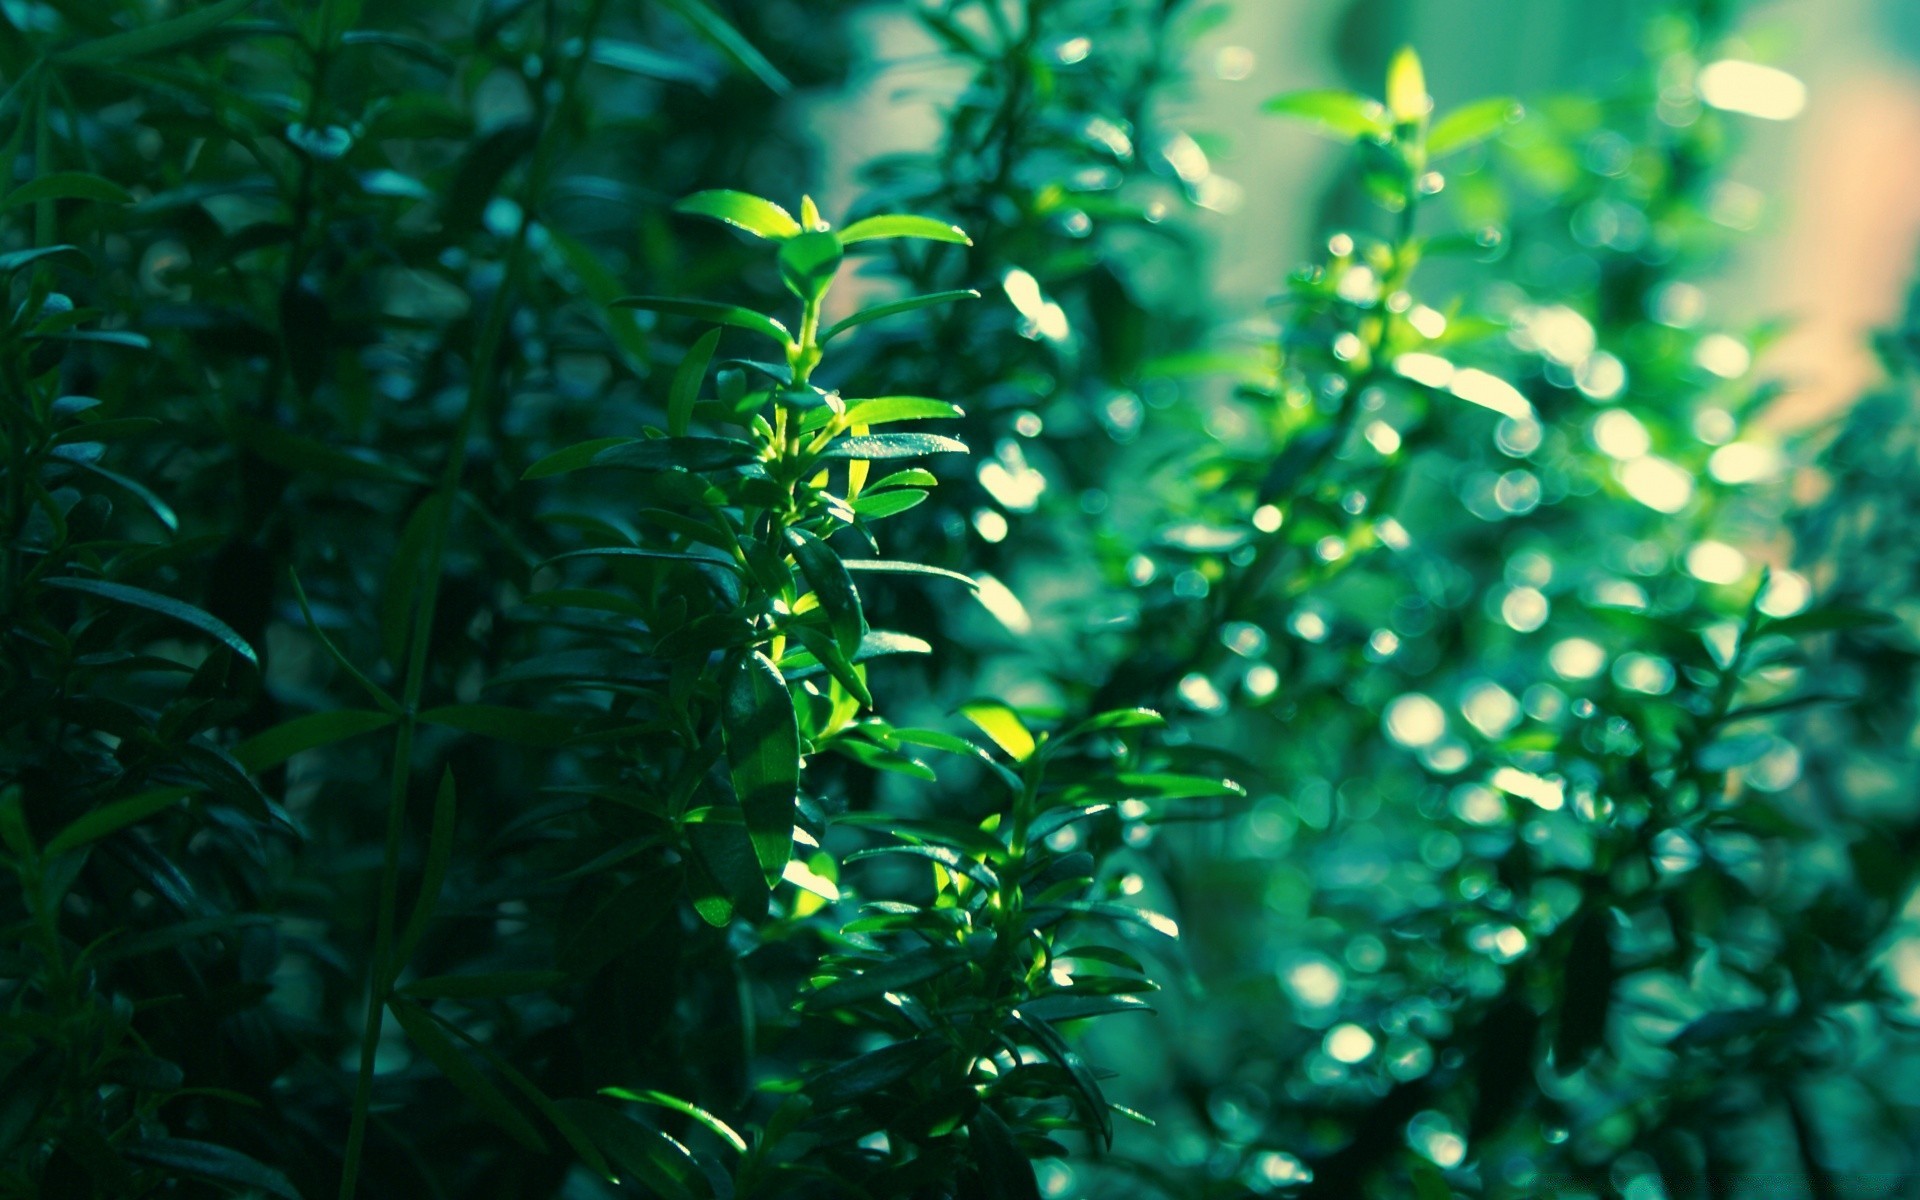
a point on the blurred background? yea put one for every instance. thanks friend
(1833, 248)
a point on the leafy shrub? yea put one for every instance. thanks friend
(474, 730)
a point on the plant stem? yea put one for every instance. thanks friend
(446, 496)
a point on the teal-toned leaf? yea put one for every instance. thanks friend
(204, 1160)
(165, 606)
(482, 986)
(902, 225)
(1125, 718)
(894, 307)
(19, 260)
(434, 877)
(760, 217)
(1005, 1172)
(685, 390)
(652, 1159)
(274, 746)
(876, 979)
(573, 457)
(161, 510)
(67, 185)
(619, 922)
(113, 817)
(881, 566)
(1342, 115)
(373, 689)
(686, 453)
(1472, 124)
(847, 1081)
(711, 311)
(648, 63)
(763, 756)
(808, 262)
(729, 41)
(152, 37)
(515, 725)
(425, 1032)
(1830, 619)
(714, 1125)
(893, 445)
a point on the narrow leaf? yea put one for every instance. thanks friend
(67, 185)
(903, 225)
(425, 1032)
(898, 306)
(763, 756)
(165, 606)
(274, 746)
(685, 390)
(760, 217)
(710, 311)
(113, 817)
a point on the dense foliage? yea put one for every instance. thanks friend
(539, 663)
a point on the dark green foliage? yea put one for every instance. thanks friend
(513, 685)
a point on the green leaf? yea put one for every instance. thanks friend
(434, 877)
(204, 1160)
(848, 1081)
(67, 185)
(715, 1125)
(879, 978)
(424, 1029)
(827, 652)
(620, 922)
(1828, 620)
(725, 878)
(808, 262)
(1407, 97)
(274, 746)
(574, 457)
(373, 689)
(710, 311)
(828, 578)
(19, 260)
(893, 445)
(763, 756)
(1472, 124)
(685, 390)
(711, 26)
(897, 306)
(480, 987)
(652, 1159)
(760, 217)
(996, 1155)
(165, 606)
(516, 725)
(889, 567)
(885, 410)
(113, 817)
(1341, 115)
(1003, 725)
(686, 453)
(648, 63)
(153, 37)
(406, 574)
(1125, 718)
(903, 225)
(875, 506)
